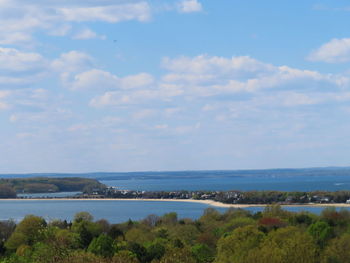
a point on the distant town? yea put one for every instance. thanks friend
(79, 188)
(227, 197)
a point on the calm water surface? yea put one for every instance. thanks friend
(120, 211)
(246, 183)
(113, 211)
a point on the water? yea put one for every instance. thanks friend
(114, 211)
(245, 183)
(308, 179)
(330, 179)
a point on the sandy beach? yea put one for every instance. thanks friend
(207, 202)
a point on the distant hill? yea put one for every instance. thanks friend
(50, 184)
(191, 174)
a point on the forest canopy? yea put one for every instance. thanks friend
(47, 185)
(235, 236)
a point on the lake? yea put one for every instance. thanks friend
(114, 211)
(245, 183)
(120, 211)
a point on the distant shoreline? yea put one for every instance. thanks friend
(207, 202)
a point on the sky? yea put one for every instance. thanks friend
(149, 85)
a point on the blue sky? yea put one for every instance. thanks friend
(130, 85)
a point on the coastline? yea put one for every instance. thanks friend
(206, 202)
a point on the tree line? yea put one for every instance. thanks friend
(235, 236)
(11, 186)
(236, 196)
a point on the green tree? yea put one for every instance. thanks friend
(115, 232)
(302, 218)
(45, 253)
(188, 233)
(86, 230)
(236, 246)
(28, 231)
(102, 246)
(287, 245)
(7, 191)
(82, 257)
(321, 232)
(83, 216)
(275, 211)
(140, 235)
(138, 250)
(338, 250)
(177, 255)
(202, 253)
(124, 256)
(238, 222)
(155, 251)
(85, 236)
(169, 219)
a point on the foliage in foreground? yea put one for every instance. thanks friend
(236, 236)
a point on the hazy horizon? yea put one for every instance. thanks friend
(325, 168)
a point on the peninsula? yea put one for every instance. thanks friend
(10, 187)
(94, 190)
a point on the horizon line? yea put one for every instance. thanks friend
(175, 171)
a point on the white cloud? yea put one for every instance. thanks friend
(87, 34)
(24, 135)
(19, 68)
(21, 19)
(72, 61)
(94, 79)
(157, 94)
(335, 51)
(288, 99)
(108, 99)
(210, 76)
(104, 123)
(240, 66)
(244, 95)
(60, 30)
(190, 6)
(99, 79)
(161, 126)
(14, 60)
(169, 112)
(79, 127)
(51, 114)
(143, 114)
(137, 81)
(15, 38)
(3, 106)
(205, 77)
(40, 94)
(180, 130)
(113, 13)
(23, 99)
(177, 130)
(4, 93)
(120, 98)
(208, 107)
